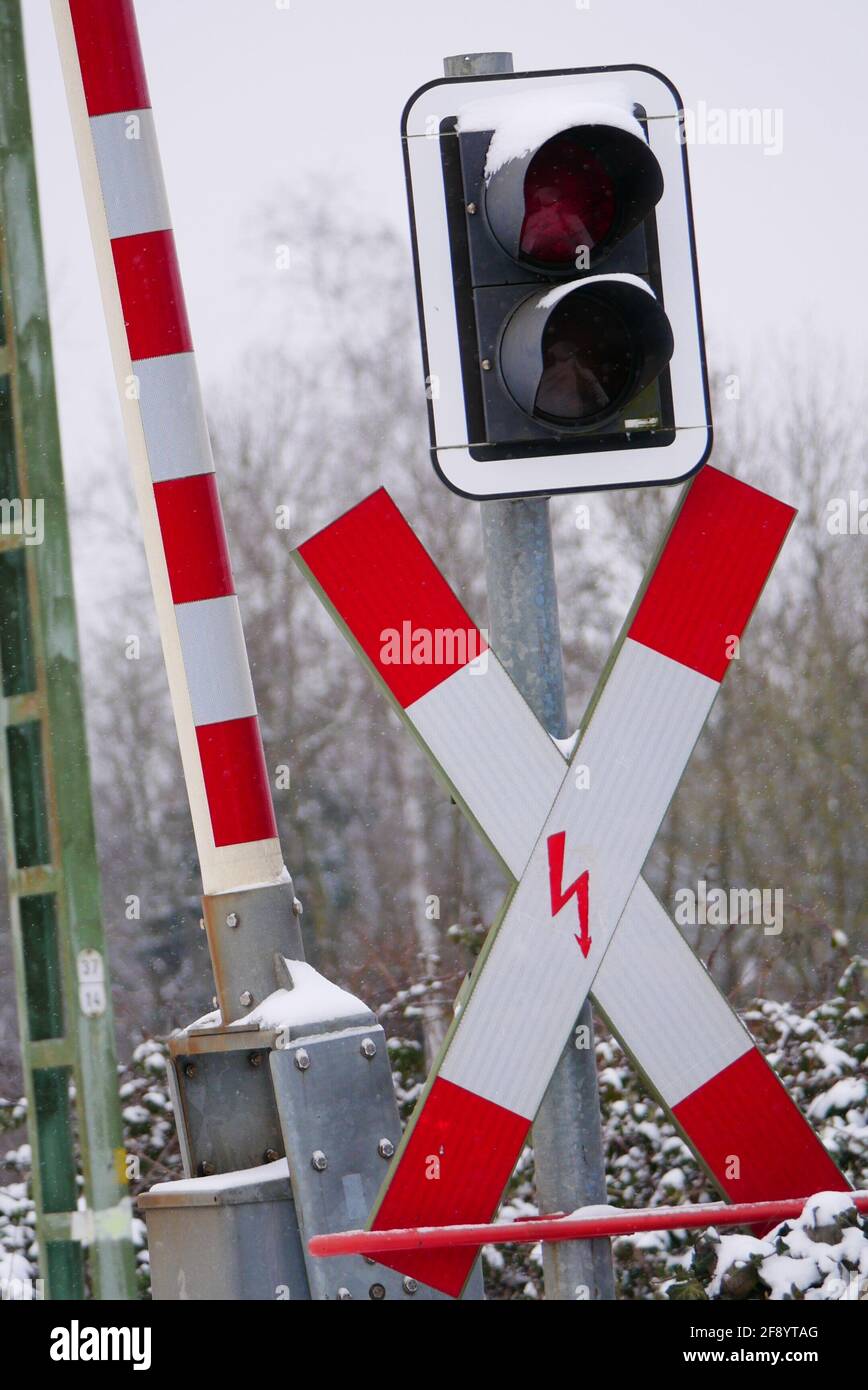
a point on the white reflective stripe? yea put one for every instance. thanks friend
(498, 758)
(519, 1014)
(173, 417)
(215, 660)
(130, 174)
(663, 1005)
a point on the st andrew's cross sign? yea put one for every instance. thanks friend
(574, 838)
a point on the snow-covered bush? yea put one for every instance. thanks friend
(821, 1255)
(150, 1139)
(18, 1269)
(819, 1055)
(152, 1154)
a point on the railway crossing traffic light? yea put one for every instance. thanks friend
(556, 275)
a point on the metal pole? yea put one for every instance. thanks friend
(523, 614)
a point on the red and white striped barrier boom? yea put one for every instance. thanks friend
(582, 1225)
(576, 878)
(167, 437)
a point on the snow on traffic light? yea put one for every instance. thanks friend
(557, 283)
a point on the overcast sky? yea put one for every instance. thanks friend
(251, 97)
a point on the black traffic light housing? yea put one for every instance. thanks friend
(561, 337)
(503, 276)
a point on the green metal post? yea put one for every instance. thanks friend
(64, 999)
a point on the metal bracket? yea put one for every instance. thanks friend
(341, 1127)
(225, 1112)
(245, 929)
(317, 1092)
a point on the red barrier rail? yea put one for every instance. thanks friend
(556, 1228)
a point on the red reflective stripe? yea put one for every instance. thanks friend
(236, 782)
(152, 296)
(194, 539)
(472, 1145)
(107, 40)
(712, 571)
(357, 561)
(744, 1116)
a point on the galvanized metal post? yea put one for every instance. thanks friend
(525, 628)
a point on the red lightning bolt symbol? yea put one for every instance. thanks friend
(578, 889)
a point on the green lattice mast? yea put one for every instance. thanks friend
(64, 1001)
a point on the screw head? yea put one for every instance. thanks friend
(343, 1295)
(318, 1160)
(205, 1169)
(232, 919)
(368, 1047)
(377, 1291)
(297, 907)
(245, 998)
(486, 364)
(385, 1148)
(302, 1059)
(270, 1156)
(190, 1069)
(471, 208)
(410, 1286)
(255, 1059)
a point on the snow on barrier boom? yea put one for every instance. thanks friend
(506, 773)
(167, 438)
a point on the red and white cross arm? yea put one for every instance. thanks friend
(167, 437)
(505, 771)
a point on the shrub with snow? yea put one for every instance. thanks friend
(819, 1055)
(822, 1255)
(152, 1154)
